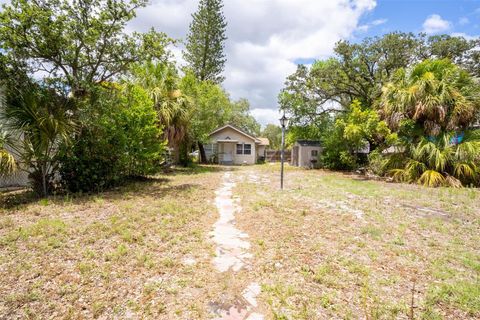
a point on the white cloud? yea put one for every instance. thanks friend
(464, 35)
(378, 22)
(266, 116)
(435, 24)
(374, 23)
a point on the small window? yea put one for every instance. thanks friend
(314, 153)
(247, 149)
(239, 149)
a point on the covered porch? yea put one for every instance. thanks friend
(226, 150)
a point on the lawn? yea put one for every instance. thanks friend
(330, 245)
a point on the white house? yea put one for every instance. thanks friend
(230, 145)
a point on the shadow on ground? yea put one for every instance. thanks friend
(153, 186)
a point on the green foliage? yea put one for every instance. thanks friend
(436, 94)
(210, 106)
(274, 134)
(351, 133)
(38, 121)
(206, 42)
(173, 106)
(241, 118)
(79, 43)
(120, 138)
(438, 162)
(8, 164)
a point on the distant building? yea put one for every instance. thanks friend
(230, 145)
(305, 153)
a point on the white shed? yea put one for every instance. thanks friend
(305, 153)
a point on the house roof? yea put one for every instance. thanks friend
(309, 143)
(260, 141)
(264, 141)
(233, 128)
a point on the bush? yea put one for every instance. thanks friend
(120, 137)
(439, 161)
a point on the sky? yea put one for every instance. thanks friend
(268, 38)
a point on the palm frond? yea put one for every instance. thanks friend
(398, 175)
(432, 178)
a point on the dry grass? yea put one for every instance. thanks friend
(120, 254)
(329, 246)
(337, 246)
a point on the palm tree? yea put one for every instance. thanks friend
(162, 82)
(439, 161)
(8, 164)
(39, 123)
(436, 94)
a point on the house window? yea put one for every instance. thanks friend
(239, 149)
(247, 149)
(314, 153)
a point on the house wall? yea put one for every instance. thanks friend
(17, 179)
(305, 155)
(20, 178)
(235, 135)
(261, 151)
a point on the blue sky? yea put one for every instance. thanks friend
(409, 15)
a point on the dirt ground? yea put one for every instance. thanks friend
(329, 246)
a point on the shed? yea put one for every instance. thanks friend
(305, 153)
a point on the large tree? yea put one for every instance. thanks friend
(274, 135)
(360, 70)
(206, 41)
(76, 43)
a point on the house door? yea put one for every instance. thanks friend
(228, 152)
(295, 156)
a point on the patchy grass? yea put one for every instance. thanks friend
(337, 246)
(330, 246)
(114, 255)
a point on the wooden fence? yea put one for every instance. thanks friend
(275, 155)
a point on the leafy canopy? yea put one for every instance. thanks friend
(79, 42)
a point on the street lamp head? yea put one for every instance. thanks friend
(284, 121)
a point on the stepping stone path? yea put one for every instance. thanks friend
(232, 254)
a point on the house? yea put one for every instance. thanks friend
(230, 145)
(305, 153)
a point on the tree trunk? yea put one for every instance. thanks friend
(44, 181)
(203, 155)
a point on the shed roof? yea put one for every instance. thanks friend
(309, 143)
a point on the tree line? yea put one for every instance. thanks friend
(86, 104)
(411, 100)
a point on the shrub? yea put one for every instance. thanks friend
(439, 161)
(120, 138)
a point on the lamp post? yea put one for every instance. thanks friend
(283, 122)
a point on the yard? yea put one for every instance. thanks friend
(330, 245)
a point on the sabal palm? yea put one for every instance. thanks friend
(436, 94)
(439, 162)
(162, 82)
(39, 123)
